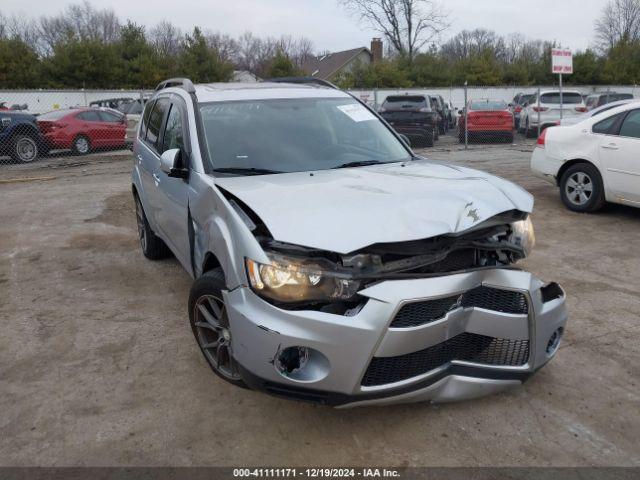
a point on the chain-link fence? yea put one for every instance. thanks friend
(37, 124)
(467, 117)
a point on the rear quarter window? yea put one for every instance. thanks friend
(607, 125)
(145, 120)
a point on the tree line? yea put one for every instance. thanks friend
(88, 47)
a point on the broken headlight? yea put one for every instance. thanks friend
(290, 280)
(522, 234)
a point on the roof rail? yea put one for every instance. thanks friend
(184, 83)
(303, 80)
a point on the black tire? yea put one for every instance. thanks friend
(528, 132)
(430, 139)
(510, 138)
(81, 145)
(24, 148)
(152, 246)
(206, 289)
(589, 198)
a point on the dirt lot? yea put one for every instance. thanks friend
(98, 365)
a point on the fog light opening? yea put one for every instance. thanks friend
(301, 364)
(291, 359)
(554, 341)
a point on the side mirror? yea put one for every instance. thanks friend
(406, 140)
(170, 163)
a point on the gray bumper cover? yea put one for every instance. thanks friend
(261, 330)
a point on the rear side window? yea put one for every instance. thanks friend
(631, 125)
(145, 119)
(567, 98)
(89, 116)
(110, 117)
(606, 126)
(407, 102)
(155, 122)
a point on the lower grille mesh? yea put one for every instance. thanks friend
(466, 346)
(419, 313)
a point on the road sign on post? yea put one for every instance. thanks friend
(562, 64)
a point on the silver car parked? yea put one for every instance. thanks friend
(331, 263)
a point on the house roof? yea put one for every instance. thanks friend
(325, 66)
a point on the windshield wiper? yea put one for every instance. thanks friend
(364, 163)
(246, 170)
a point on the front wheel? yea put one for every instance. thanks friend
(210, 325)
(24, 149)
(581, 188)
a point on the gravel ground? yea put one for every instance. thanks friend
(98, 365)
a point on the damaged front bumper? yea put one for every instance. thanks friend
(447, 338)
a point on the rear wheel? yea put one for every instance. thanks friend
(24, 148)
(581, 188)
(152, 246)
(81, 145)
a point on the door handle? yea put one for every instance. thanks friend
(139, 158)
(156, 179)
(611, 146)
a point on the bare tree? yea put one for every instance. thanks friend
(166, 39)
(226, 46)
(619, 21)
(81, 21)
(408, 25)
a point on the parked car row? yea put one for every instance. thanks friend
(25, 137)
(535, 112)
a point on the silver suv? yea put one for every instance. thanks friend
(331, 263)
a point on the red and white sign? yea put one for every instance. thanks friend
(561, 61)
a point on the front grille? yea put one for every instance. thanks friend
(420, 313)
(468, 347)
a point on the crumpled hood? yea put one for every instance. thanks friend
(347, 209)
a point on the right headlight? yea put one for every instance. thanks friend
(523, 235)
(289, 280)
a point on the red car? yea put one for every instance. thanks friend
(487, 118)
(83, 129)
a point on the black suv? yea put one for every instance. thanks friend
(412, 115)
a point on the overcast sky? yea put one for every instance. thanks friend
(331, 28)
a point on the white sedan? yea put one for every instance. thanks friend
(594, 161)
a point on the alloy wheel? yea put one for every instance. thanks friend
(579, 188)
(26, 149)
(82, 145)
(142, 232)
(214, 335)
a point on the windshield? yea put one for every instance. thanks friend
(294, 135)
(488, 105)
